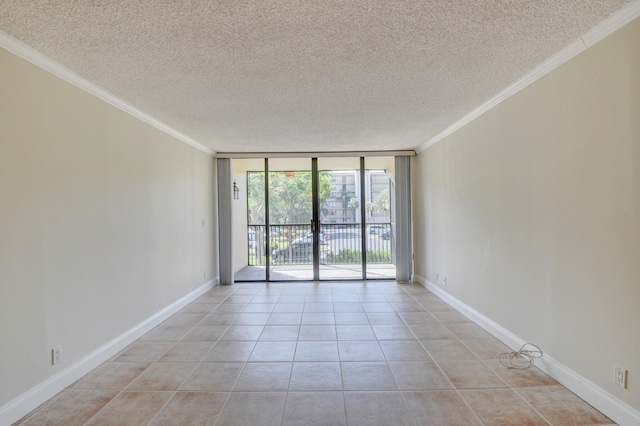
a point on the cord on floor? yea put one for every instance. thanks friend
(521, 359)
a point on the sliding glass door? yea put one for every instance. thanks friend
(290, 206)
(326, 218)
(340, 214)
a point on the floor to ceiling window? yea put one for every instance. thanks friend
(328, 218)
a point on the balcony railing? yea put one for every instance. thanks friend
(340, 244)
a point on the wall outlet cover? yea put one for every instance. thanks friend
(56, 355)
(620, 376)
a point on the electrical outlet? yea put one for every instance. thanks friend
(444, 281)
(56, 355)
(620, 376)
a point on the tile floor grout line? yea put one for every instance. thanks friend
(231, 390)
(434, 361)
(173, 394)
(214, 345)
(464, 401)
(105, 405)
(226, 400)
(123, 390)
(344, 404)
(531, 406)
(286, 397)
(455, 388)
(429, 353)
(404, 400)
(195, 365)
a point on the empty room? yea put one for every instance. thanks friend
(320, 213)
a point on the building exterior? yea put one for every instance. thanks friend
(340, 207)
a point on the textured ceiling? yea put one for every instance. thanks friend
(303, 75)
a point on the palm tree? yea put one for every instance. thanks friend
(354, 204)
(346, 197)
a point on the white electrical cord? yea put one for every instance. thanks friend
(521, 359)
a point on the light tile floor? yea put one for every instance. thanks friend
(375, 353)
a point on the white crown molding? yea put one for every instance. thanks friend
(308, 154)
(617, 410)
(613, 23)
(21, 406)
(29, 54)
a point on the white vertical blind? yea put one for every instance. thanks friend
(403, 218)
(225, 237)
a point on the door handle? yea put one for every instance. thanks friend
(313, 226)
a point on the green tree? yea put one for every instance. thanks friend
(255, 198)
(353, 205)
(381, 203)
(349, 202)
(290, 197)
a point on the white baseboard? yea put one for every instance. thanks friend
(617, 410)
(36, 396)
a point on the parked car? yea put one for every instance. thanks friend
(297, 252)
(376, 229)
(308, 237)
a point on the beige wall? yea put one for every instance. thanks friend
(532, 212)
(100, 223)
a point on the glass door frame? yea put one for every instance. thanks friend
(313, 224)
(315, 217)
(315, 221)
(316, 224)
